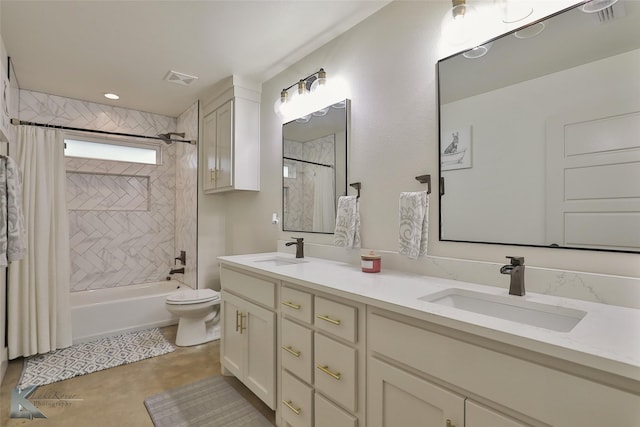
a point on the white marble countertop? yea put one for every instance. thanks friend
(607, 338)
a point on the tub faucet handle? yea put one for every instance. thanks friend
(182, 258)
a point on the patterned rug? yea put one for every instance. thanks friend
(85, 358)
(211, 402)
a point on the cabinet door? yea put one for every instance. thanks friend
(398, 398)
(260, 356)
(232, 342)
(209, 167)
(481, 416)
(224, 146)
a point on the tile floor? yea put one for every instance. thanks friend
(115, 397)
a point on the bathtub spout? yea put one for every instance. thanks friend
(177, 270)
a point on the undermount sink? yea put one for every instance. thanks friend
(276, 261)
(511, 308)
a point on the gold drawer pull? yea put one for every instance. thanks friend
(292, 351)
(237, 320)
(449, 424)
(326, 370)
(292, 305)
(330, 320)
(293, 408)
(242, 325)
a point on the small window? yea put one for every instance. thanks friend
(121, 151)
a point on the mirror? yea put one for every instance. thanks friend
(314, 169)
(540, 137)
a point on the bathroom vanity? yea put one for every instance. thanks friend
(332, 346)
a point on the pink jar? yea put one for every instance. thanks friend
(370, 263)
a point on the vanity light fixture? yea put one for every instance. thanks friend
(111, 96)
(311, 93)
(512, 11)
(460, 22)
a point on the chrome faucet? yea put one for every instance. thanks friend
(516, 271)
(299, 242)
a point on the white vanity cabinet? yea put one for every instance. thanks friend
(230, 138)
(248, 337)
(321, 359)
(420, 371)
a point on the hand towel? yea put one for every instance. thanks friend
(347, 232)
(414, 224)
(12, 227)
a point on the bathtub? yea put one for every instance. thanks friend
(104, 312)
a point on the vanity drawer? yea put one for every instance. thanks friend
(297, 401)
(335, 373)
(252, 288)
(336, 318)
(296, 351)
(329, 415)
(296, 304)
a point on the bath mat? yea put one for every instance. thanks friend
(211, 402)
(85, 358)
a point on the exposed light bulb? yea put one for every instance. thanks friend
(459, 23)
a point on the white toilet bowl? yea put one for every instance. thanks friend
(198, 313)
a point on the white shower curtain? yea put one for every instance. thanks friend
(324, 200)
(39, 317)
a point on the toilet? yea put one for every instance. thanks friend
(198, 312)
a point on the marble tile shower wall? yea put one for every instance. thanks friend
(57, 110)
(122, 239)
(299, 191)
(118, 244)
(186, 192)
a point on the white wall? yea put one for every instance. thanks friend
(389, 62)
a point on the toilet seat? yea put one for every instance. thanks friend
(191, 296)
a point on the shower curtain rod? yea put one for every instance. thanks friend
(307, 161)
(103, 132)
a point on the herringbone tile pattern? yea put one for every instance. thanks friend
(96, 192)
(112, 246)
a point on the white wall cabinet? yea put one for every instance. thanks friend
(248, 345)
(230, 139)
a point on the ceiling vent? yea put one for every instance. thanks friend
(615, 11)
(180, 78)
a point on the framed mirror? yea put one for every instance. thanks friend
(540, 136)
(314, 169)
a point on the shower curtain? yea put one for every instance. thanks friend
(39, 317)
(324, 200)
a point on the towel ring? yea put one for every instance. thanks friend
(357, 186)
(425, 179)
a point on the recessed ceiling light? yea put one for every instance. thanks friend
(111, 96)
(530, 31)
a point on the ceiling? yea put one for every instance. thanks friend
(83, 49)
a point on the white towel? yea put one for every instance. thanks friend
(414, 224)
(347, 232)
(12, 230)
